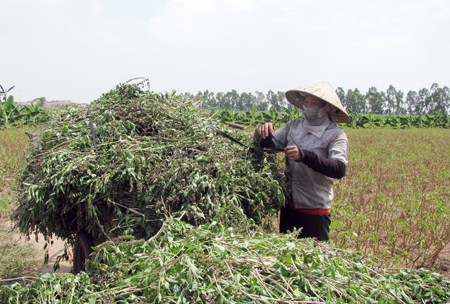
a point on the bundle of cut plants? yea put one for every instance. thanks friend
(213, 263)
(154, 156)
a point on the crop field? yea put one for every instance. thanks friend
(390, 213)
(394, 203)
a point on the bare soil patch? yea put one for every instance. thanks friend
(49, 104)
(54, 250)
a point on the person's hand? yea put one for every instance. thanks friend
(266, 129)
(293, 153)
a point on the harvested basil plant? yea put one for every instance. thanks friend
(155, 158)
(213, 263)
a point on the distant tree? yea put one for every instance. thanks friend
(439, 98)
(341, 93)
(221, 100)
(272, 99)
(355, 101)
(424, 100)
(211, 100)
(188, 95)
(400, 103)
(199, 96)
(232, 100)
(413, 103)
(393, 101)
(207, 99)
(374, 101)
(261, 103)
(248, 101)
(446, 99)
(282, 101)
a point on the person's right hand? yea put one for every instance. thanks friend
(266, 129)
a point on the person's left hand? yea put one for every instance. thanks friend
(293, 153)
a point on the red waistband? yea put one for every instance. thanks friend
(307, 211)
(314, 211)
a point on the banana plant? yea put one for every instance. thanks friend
(441, 119)
(252, 115)
(445, 120)
(418, 121)
(356, 120)
(393, 121)
(274, 117)
(3, 92)
(430, 121)
(290, 115)
(29, 113)
(372, 121)
(405, 122)
(8, 113)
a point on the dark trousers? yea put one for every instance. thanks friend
(313, 226)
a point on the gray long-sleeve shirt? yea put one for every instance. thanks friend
(311, 189)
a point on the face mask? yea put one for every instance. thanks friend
(314, 113)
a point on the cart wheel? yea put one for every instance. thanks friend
(82, 249)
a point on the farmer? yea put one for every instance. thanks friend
(316, 153)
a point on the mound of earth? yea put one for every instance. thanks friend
(52, 103)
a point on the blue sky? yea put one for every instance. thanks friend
(78, 49)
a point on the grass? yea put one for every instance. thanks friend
(13, 151)
(16, 258)
(394, 204)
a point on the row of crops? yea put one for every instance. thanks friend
(252, 118)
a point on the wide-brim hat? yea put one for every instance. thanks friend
(324, 91)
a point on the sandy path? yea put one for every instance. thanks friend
(53, 251)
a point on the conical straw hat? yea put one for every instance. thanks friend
(324, 91)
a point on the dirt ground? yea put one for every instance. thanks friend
(54, 251)
(443, 260)
(47, 104)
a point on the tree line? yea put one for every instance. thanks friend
(391, 101)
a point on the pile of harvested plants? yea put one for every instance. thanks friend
(214, 263)
(154, 157)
